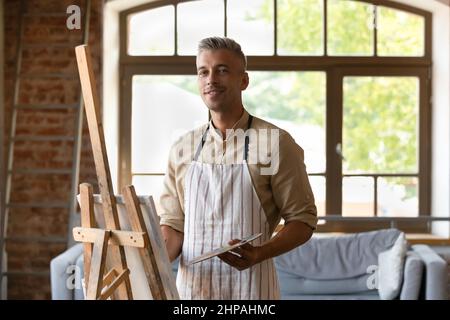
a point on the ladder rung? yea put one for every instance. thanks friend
(26, 273)
(43, 138)
(38, 205)
(40, 171)
(40, 45)
(39, 239)
(49, 75)
(47, 106)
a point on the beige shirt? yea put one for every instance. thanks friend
(275, 162)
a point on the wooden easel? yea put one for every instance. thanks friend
(111, 240)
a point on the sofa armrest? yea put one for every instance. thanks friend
(435, 273)
(60, 272)
(412, 277)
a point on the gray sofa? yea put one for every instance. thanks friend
(349, 267)
(337, 267)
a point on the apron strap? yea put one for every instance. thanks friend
(250, 118)
(200, 145)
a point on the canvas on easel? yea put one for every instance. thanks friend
(107, 265)
(139, 287)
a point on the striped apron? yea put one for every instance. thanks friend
(221, 204)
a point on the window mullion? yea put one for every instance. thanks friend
(333, 138)
(225, 15)
(424, 142)
(275, 28)
(176, 29)
(375, 31)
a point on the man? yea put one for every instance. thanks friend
(214, 194)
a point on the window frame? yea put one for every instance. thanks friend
(336, 68)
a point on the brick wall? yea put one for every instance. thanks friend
(48, 222)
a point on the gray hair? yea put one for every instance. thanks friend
(215, 43)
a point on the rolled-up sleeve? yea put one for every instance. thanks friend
(290, 184)
(171, 213)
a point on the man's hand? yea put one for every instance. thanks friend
(293, 234)
(242, 257)
(174, 241)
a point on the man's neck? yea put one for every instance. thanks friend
(226, 120)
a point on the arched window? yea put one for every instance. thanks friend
(350, 80)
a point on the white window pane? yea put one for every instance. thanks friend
(398, 197)
(149, 185)
(400, 33)
(295, 102)
(380, 127)
(163, 108)
(300, 27)
(250, 23)
(357, 197)
(198, 20)
(350, 28)
(319, 190)
(152, 32)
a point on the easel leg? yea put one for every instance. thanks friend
(148, 257)
(97, 269)
(87, 221)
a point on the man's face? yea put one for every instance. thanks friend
(221, 79)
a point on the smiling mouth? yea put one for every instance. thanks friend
(213, 92)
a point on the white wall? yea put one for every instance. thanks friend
(440, 97)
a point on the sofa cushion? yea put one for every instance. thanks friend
(337, 257)
(291, 284)
(391, 263)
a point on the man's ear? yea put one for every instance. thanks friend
(245, 81)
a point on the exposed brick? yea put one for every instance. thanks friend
(52, 5)
(12, 7)
(46, 122)
(22, 287)
(26, 256)
(47, 91)
(50, 29)
(43, 154)
(40, 188)
(52, 60)
(39, 221)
